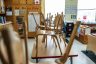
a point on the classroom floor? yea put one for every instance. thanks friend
(77, 47)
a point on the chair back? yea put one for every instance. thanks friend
(4, 57)
(61, 21)
(69, 46)
(58, 22)
(50, 20)
(12, 44)
(42, 18)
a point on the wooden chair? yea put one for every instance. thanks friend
(3, 56)
(7, 37)
(69, 46)
(7, 29)
(48, 25)
(12, 49)
(51, 27)
(46, 32)
(43, 21)
(59, 27)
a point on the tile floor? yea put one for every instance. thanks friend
(77, 46)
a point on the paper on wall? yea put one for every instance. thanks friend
(16, 12)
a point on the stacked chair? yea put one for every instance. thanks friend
(14, 53)
(49, 31)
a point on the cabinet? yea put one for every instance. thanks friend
(83, 38)
(20, 16)
(69, 28)
(17, 11)
(21, 10)
(84, 31)
(29, 1)
(22, 1)
(15, 1)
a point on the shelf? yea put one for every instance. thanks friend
(20, 15)
(9, 16)
(89, 24)
(2, 14)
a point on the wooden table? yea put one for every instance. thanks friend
(92, 43)
(50, 52)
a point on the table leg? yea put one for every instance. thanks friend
(71, 60)
(36, 48)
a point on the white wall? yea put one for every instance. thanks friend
(54, 6)
(87, 8)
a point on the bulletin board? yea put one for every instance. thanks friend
(71, 10)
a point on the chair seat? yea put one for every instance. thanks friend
(45, 32)
(50, 27)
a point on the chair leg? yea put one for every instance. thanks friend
(54, 41)
(43, 40)
(60, 37)
(46, 41)
(37, 49)
(64, 40)
(58, 44)
(63, 37)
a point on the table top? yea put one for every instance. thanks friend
(50, 51)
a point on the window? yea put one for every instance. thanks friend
(87, 11)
